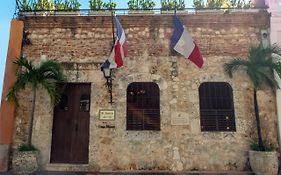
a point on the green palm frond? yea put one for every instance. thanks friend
(259, 66)
(234, 65)
(52, 91)
(48, 74)
(23, 62)
(51, 70)
(268, 77)
(20, 83)
(277, 68)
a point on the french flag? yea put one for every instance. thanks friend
(119, 51)
(183, 43)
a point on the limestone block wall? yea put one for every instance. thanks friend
(83, 43)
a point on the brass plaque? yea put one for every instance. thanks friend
(107, 114)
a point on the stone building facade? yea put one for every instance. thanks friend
(82, 43)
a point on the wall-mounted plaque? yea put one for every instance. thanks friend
(107, 114)
(179, 118)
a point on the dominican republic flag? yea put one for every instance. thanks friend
(119, 51)
(183, 43)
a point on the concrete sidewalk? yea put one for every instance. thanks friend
(149, 173)
(141, 173)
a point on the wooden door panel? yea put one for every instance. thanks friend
(70, 139)
(62, 124)
(80, 145)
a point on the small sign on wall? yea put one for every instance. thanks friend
(107, 114)
(179, 119)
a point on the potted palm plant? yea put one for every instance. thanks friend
(141, 6)
(198, 4)
(241, 5)
(211, 6)
(98, 7)
(44, 7)
(46, 76)
(147, 5)
(172, 6)
(259, 68)
(67, 7)
(25, 7)
(133, 5)
(110, 6)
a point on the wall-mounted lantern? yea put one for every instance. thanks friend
(107, 73)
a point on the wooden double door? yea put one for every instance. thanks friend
(70, 135)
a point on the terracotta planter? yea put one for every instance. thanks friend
(211, 11)
(264, 163)
(100, 13)
(172, 12)
(25, 162)
(140, 12)
(44, 13)
(26, 13)
(37, 13)
(67, 13)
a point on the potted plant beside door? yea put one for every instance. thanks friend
(45, 76)
(259, 67)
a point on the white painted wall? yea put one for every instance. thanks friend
(275, 38)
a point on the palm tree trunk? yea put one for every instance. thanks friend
(30, 125)
(261, 144)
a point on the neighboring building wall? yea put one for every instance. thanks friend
(275, 21)
(85, 42)
(275, 38)
(7, 111)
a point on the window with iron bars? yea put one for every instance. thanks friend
(216, 107)
(143, 106)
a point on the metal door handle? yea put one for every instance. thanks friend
(76, 127)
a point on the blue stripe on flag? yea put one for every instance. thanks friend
(178, 30)
(106, 64)
(119, 27)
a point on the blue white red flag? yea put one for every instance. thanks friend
(183, 43)
(119, 51)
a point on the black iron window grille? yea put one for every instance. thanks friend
(143, 106)
(216, 107)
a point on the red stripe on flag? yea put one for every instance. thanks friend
(196, 57)
(118, 57)
(125, 49)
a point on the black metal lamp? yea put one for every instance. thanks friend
(107, 73)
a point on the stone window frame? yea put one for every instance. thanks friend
(216, 107)
(143, 106)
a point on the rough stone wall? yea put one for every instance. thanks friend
(85, 42)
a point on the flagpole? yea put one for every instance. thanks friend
(112, 25)
(109, 80)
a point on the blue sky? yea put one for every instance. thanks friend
(7, 11)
